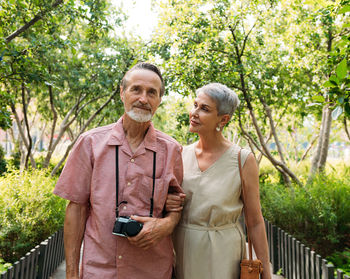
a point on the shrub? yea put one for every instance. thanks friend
(317, 214)
(341, 260)
(29, 212)
(3, 167)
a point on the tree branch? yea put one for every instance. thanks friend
(346, 127)
(36, 18)
(82, 130)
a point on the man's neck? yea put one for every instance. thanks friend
(135, 131)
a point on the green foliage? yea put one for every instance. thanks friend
(3, 167)
(67, 66)
(317, 214)
(338, 85)
(341, 260)
(5, 115)
(172, 117)
(15, 158)
(29, 212)
(4, 266)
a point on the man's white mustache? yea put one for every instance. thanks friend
(142, 106)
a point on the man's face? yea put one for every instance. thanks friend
(141, 96)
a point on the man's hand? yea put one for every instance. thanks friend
(175, 202)
(154, 229)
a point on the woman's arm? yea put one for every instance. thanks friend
(253, 215)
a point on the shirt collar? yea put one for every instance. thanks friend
(117, 136)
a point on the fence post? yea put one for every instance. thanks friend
(274, 256)
(298, 261)
(290, 258)
(307, 263)
(312, 264)
(318, 267)
(294, 259)
(340, 274)
(42, 260)
(327, 270)
(302, 261)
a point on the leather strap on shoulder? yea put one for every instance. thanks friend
(243, 196)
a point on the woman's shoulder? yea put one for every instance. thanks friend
(189, 148)
(244, 153)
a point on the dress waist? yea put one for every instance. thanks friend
(208, 228)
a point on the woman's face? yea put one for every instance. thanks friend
(204, 115)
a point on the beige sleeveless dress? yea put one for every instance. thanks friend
(209, 242)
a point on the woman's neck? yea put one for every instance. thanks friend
(213, 142)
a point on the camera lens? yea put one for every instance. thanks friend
(133, 228)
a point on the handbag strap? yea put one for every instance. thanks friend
(243, 196)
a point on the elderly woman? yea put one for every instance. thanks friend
(209, 241)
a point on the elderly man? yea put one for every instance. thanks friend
(117, 178)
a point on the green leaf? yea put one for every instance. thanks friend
(337, 112)
(341, 100)
(329, 84)
(341, 69)
(333, 79)
(344, 10)
(347, 109)
(318, 98)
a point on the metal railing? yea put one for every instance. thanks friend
(288, 256)
(40, 262)
(295, 260)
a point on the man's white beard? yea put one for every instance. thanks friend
(139, 117)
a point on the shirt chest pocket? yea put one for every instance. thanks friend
(160, 193)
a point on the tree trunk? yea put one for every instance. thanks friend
(29, 147)
(21, 135)
(346, 128)
(325, 139)
(311, 144)
(277, 141)
(280, 166)
(53, 127)
(320, 156)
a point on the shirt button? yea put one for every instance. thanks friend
(124, 207)
(129, 183)
(132, 160)
(120, 257)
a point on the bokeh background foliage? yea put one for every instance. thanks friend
(29, 211)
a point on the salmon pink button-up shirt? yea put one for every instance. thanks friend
(89, 177)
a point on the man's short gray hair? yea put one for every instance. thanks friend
(226, 100)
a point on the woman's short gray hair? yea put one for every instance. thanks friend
(226, 100)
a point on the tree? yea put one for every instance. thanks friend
(336, 97)
(64, 71)
(230, 42)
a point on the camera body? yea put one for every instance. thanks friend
(126, 227)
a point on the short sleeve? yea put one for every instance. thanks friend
(75, 179)
(177, 175)
(244, 155)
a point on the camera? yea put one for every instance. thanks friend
(124, 226)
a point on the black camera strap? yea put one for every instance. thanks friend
(117, 182)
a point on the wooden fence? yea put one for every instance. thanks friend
(40, 262)
(295, 260)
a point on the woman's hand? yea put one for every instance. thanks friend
(175, 202)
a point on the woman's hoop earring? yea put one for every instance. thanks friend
(218, 128)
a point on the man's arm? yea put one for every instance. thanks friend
(74, 227)
(154, 229)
